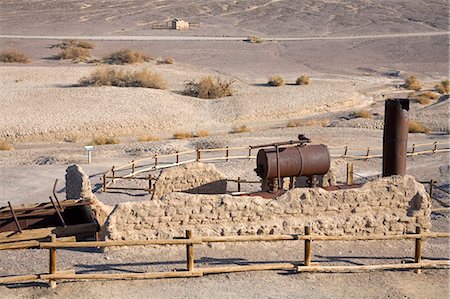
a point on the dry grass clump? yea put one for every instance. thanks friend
(76, 54)
(423, 100)
(303, 80)
(308, 123)
(127, 56)
(72, 138)
(209, 88)
(443, 87)
(168, 60)
(276, 81)
(5, 145)
(363, 114)
(256, 39)
(101, 140)
(412, 83)
(113, 77)
(183, 135)
(202, 133)
(417, 127)
(240, 129)
(147, 138)
(74, 43)
(14, 56)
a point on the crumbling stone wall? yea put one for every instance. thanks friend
(386, 206)
(195, 178)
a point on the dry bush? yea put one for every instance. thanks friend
(412, 83)
(443, 87)
(209, 88)
(363, 114)
(127, 56)
(417, 127)
(72, 138)
(256, 39)
(308, 123)
(14, 56)
(147, 138)
(74, 43)
(168, 60)
(183, 135)
(303, 80)
(292, 123)
(423, 100)
(101, 140)
(202, 133)
(431, 95)
(76, 54)
(5, 145)
(276, 81)
(240, 129)
(107, 76)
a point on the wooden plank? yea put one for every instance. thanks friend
(19, 245)
(18, 278)
(29, 234)
(91, 244)
(148, 275)
(245, 268)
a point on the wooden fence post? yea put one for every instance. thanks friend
(239, 183)
(132, 166)
(52, 266)
(156, 162)
(150, 182)
(350, 173)
(307, 247)
(178, 158)
(413, 148)
(190, 252)
(345, 152)
(113, 173)
(199, 156)
(418, 249)
(431, 187)
(227, 154)
(104, 182)
(249, 152)
(435, 147)
(368, 152)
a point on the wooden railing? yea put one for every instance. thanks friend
(149, 166)
(189, 241)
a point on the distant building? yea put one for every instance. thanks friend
(180, 24)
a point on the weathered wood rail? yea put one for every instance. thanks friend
(148, 167)
(307, 265)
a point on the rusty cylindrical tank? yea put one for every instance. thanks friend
(305, 160)
(395, 138)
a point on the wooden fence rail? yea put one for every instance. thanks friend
(189, 241)
(152, 164)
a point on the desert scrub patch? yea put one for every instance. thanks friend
(147, 138)
(303, 80)
(183, 135)
(276, 81)
(362, 114)
(202, 133)
(240, 129)
(108, 76)
(256, 39)
(76, 54)
(412, 83)
(417, 127)
(5, 145)
(73, 43)
(102, 140)
(209, 87)
(127, 56)
(13, 56)
(443, 87)
(167, 60)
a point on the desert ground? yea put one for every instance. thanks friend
(357, 53)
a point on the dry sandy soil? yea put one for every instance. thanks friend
(41, 107)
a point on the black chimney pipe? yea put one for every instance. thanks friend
(395, 137)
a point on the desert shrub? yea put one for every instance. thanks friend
(423, 100)
(14, 57)
(127, 56)
(74, 43)
(202, 133)
(412, 83)
(303, 80)
(101, 140)
(292, 123)
(5, 145)
(209, 88)
(183, 135)
(147, 138)
(443, 87)
(240, 129)
(76, 54)
(431, 95)
(363, 114)
(256, 39)
(417, 127)
(114, 77)
(72, 138)
(276, 81)
(168, 60)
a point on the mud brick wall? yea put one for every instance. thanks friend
(391, 205)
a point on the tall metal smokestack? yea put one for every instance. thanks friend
(395, 137)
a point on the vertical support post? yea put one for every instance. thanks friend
(177, 158)
(52, 265)
(89, 157)
(350, 173)
(113, 173)
(150, 182)
(249, 152)
(239, 183)
(156, 162)
(431, 187)
(435, 147)
(413, 148)
(227, 154)
(189, 252)
(104, 182)
(133, 167)
(368, 152)
(198, 154)
(307, 247)
(418, 249)
(345, 151)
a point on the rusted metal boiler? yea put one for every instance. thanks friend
(291, 159)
